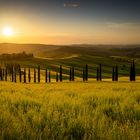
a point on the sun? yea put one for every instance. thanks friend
(7, 31)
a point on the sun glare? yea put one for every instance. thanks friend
(7, 31)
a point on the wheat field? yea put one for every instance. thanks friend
(70, 111)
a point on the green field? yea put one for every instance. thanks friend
(71, 111)
(52, 56)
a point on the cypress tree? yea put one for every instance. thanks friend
(113, 74)
(100, 72)
(134, 71)
(3, 72)
(72, 73)
(34, 75)
(86, 72)
(0, 74)
(56, 77)
(24, 75)
(6, 74)
(38, 74)
(29, 75)
(131, 69)
(116, 74)
(15, 77)
(49, 76)
(12, 74)
(97, 74)
(20, 76)
(60, 73)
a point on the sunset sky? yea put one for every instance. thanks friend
(70, 21)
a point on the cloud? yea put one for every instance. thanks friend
(71, 5)
(118, 25)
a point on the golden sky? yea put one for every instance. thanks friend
(67, 23)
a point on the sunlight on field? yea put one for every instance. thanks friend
(76, 110)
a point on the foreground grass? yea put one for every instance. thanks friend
(94, 110)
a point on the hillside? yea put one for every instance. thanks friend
(57, 51)
(78, 56)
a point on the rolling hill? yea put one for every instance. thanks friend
(60, 51)
(52, 56)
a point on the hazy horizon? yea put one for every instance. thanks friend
(78, 44)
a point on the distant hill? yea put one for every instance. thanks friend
(15, 56)
(36, 49)
(58, 51)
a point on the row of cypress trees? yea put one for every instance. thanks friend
(4, 73)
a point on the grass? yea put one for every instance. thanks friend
(75, 111)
